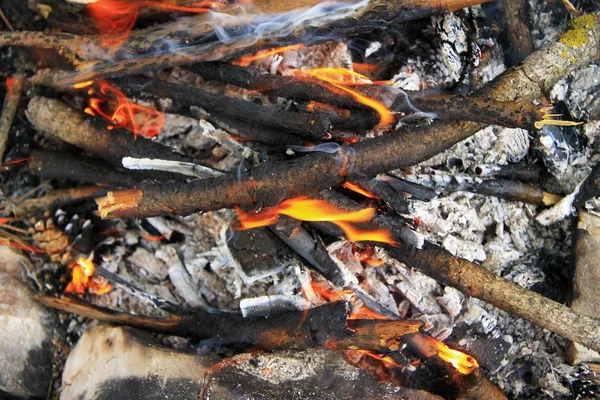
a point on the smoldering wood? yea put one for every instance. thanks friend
(54, 199)
(185, 96)
(325, 325)
(473, 386)
(52, 165)
(415, 190)
(14, 87)
(263, 134)
(270, 183)
(58, 120)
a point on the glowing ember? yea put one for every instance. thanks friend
(83, 271)
(244, 61)
(358, 189)
(464, 363)
(367, 256)
(151, 238)
(114, 19)
(340, 78)
(305, 209)
(111, 104)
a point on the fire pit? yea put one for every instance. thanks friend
(299, 200)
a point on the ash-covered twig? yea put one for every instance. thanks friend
(521, 172)
(270, 183)
(14, 86)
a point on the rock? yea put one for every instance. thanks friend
(124, 363)
(25, 340)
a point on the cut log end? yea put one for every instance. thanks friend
(122, 203)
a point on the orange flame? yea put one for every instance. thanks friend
(244, 61)
(339, 77)
(114, 19)
(111, 104)
(83, 271)
(385, 359)
(305, 209)
(329, 294)
(464, 363)
(364, 68)
(360, 190)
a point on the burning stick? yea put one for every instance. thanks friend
(462, 370)
(14, 86)
(269, 183)
(57, 119)
(185, 96)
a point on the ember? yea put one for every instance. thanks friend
(83, 278)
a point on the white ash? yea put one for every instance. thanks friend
(548, 21)
(454, 43)
(579, 90)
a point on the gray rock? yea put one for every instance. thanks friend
(25, 341)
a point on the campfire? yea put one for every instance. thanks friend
(301, 199)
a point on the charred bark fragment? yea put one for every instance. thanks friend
(184, 96)
(14, 86)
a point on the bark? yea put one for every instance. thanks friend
(14, 86)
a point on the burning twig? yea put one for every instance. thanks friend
(14, 86)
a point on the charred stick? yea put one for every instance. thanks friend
(326, 325)
(521, 172)
(14, 86)
(56, 198)
(184, 96)
(267, 135)
(474, 280)
(270, 183)
(58, 120)
(50, 165)
(503, 188)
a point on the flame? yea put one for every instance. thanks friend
(329, 294)
(385, 359)
(339, 77)
(364, 68)
(83, 271)
(114, 19)
(244, 61)
(312, 210)
(366, 256)
(464, 363)
(358, 189)
(111, 104)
